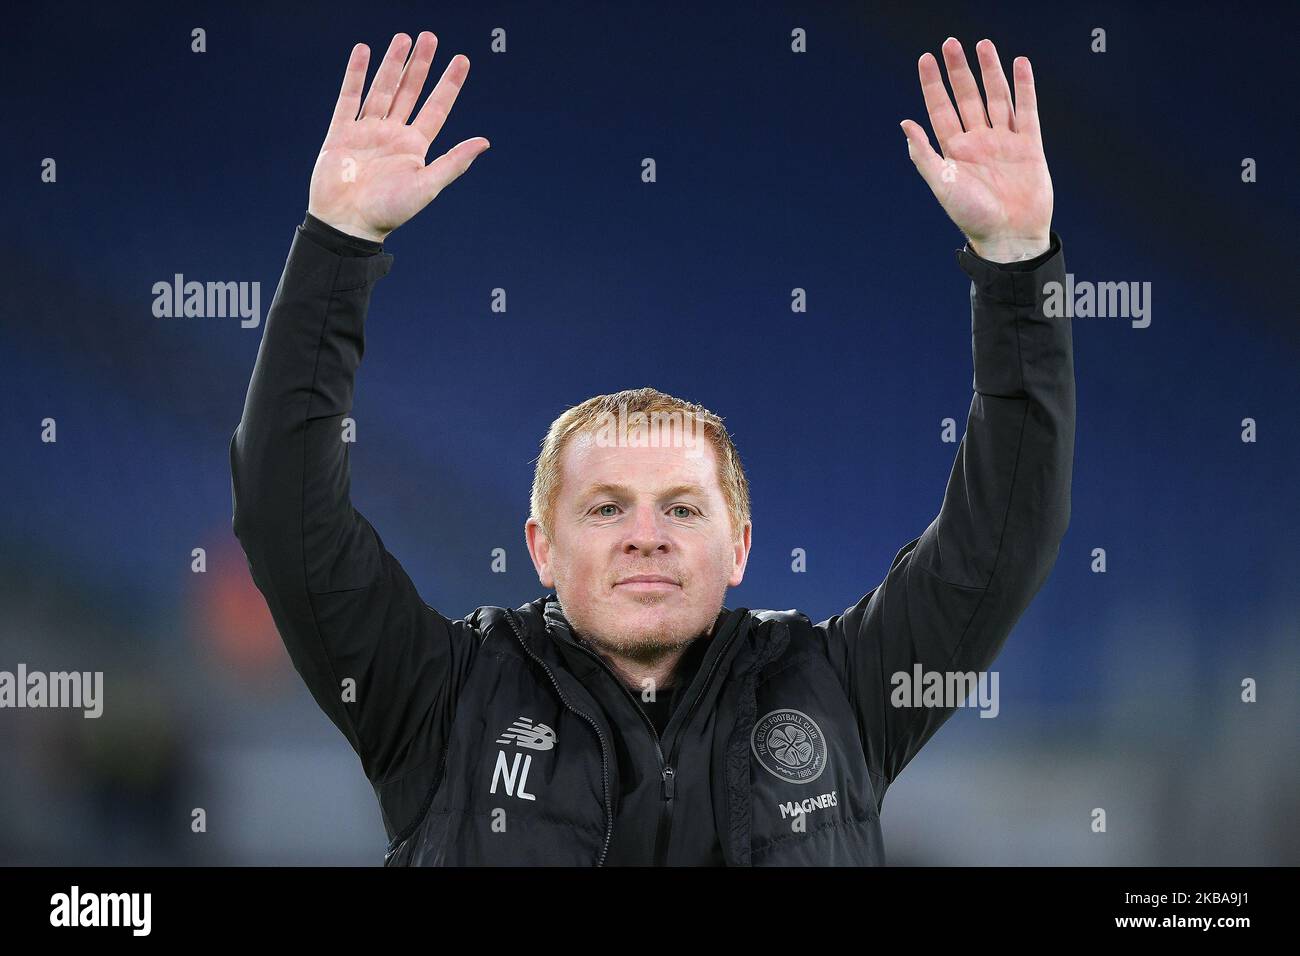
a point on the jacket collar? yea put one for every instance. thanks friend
(557, 623)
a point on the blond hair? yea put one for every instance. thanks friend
(596, 413)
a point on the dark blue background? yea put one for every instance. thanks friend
(775, 170)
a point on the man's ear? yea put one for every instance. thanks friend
(539, 549)
(741, 555)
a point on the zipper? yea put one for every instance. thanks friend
(604, 757)
(667, 772)
(666, 819)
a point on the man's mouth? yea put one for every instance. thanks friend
(648, 583)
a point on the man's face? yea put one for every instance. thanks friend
(642, 552)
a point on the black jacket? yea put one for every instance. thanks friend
(500, 739)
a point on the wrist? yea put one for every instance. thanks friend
(1011, 248)
(353, 229)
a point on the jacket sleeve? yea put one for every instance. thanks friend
(384, 667)
(952, 595)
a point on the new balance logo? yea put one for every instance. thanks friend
(513, 774)
(524, 733)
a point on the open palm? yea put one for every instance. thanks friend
(370, 176)
(992, 177)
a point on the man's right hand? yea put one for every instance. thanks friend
(370, 176)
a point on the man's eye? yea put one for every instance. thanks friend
(601, 509)
(689, 511)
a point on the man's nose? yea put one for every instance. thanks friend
(647, 533)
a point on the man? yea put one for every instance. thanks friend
(628, 717)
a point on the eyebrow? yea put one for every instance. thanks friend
(606, 488)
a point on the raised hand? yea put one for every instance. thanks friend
(370, 176)
(992, 178)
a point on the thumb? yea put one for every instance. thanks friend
(449, 167)
(928, 163)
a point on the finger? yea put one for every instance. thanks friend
(449, 167)
(969, 103)
(995, 86)
(928, 163)
(413, 77)
(1026, 99)
(354, 81)
(439, 102)
(943, 118)
(384, 85)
